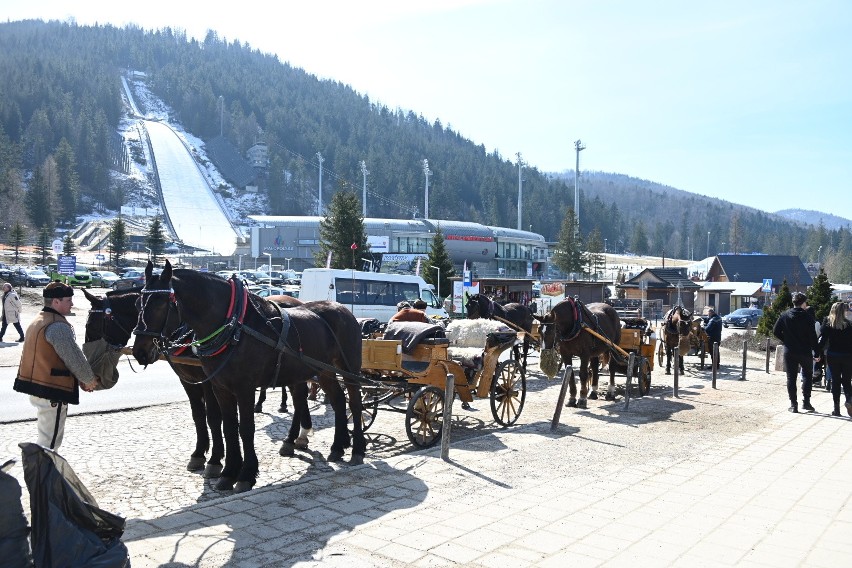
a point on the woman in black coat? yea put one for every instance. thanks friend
(835, 340)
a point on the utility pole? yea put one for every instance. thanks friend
(364, 172)
(579, 147)
(319, 202)
(426, 172)
(221, 115)
(520, 189)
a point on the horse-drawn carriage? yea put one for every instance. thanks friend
(417, 370)
(638, 337)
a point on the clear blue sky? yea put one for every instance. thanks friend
(745, 101)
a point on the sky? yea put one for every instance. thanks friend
(750, 102)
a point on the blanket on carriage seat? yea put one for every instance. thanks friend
(411, 333)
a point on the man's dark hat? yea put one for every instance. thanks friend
(57, 289)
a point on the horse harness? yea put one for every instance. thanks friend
(580, 325)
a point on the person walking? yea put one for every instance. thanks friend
(11, 311)
(53, 366)
(795, 329)
(835, 339)
(713, 329)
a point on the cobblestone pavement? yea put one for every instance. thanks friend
(713, 477)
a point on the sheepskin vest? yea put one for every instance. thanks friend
(41, 372)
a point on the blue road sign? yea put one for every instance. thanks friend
(767, 285)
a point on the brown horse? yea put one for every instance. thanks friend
(563, 329)
(674, 334)
(699, 339)
(519, 315)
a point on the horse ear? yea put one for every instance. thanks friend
(94, 300)
(166, 276)
(149, 269)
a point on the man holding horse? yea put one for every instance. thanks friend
(53, 366)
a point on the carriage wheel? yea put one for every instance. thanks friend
(508, 392)
(660, 350)
(369, 409)
(424, 417)
(644, 376)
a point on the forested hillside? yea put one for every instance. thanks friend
(60, 104)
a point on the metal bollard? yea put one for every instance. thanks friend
(715, 362)
(767, 354)
(559, 403)
(745, 355)
(631, 361)
(449, 395)
(676, 362)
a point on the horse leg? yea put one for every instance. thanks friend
(214, 422)
(572, 385)
(301, 416)
(283, 407)
(584, 383)
(199, 415)
(668, 360)
(356, 407)
(610, 393)
(334, 394)
(595, 365)
(260, 400)
(248, 473)
(230, 428)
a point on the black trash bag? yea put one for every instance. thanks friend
(69, 529)
(14, 531)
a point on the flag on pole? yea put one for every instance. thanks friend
(417, 270)
(354, 246)
(328, 260)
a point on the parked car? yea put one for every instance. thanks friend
(81, 276)
(31, 277)
(743, 317)
(104, 278)
(132, 279)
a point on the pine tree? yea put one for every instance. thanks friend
(594, 253)
(783, 301)
(45, 239)
(568, 256)
(68, 245)
(342, 232)
(438, 256)
(820, 296)
(156, 240)
(117, 242)
(17, 238)
(66, 169)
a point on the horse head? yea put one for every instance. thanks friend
(477, 306)
(156, 307)
(111, 317)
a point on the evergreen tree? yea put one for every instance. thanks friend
(37, 199)
(639, 239)
(68, 245)
(17, 239)
(43, 243)
(594, 253)
(782, 302)
(118, 242)
(820, 296)
(156, 240)
(68, 189)
(342, 232)
(568, 256)
(438, 256)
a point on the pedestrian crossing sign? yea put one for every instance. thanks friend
(767, 285)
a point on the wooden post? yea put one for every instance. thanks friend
(745, 355)
(631, 360)
(767, 354)
(449, 395)
(714, 363)
(558, 412)
(676, 362)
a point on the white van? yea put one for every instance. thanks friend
(367, 294)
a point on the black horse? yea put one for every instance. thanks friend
(563, 329)
(246, 342)
(112, 318)
(674, 335)
(519, 315)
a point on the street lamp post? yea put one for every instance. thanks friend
(438, 287)
(819, 254)
(288, 262)
(319, 199)
(240, 263)
(149, 253)
(426, 172)
(269, 255)
(708, 245)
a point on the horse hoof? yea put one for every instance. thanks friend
(283, 409)
(593, 395)
(225, 484)
(335, 456)
(582, 403)
(356, 459)
(571, 403)
(668, 372)
(301, 443)
(610, 397)
(258, 409)
(195, 463)
(212, 470)
(243, 486)
(288, 449)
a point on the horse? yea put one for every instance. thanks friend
(112, 318)
(519, 315)
(259, 344)
(286, 301)
(562, 328)
(699, 339)
(674, 334)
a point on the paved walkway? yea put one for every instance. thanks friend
(712, 478)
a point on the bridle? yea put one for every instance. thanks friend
(108, 318)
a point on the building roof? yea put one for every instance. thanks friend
(735, 288)
(662, 278)
(758, 267)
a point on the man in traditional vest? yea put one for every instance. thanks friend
(53, 365)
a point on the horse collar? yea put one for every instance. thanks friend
(216, 343)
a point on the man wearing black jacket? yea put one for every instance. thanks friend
(796, 330)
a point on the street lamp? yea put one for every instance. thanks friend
(149, 253)
(438, 268)
(365, 259)
(240, 263)
(426, 172)
(605, 246)
(708, 245)
(819, 254)
(288, 262)
(270, 266)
